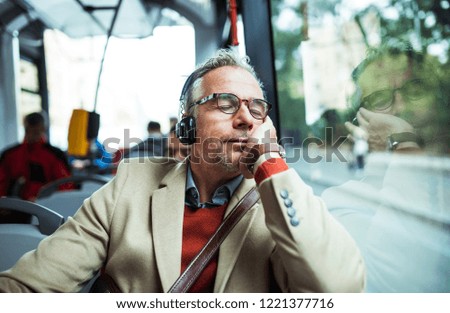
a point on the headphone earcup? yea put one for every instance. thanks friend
(185, 130)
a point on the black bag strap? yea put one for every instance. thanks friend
(201, 260)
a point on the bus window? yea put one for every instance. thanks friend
(364, 114)
(140, 81)
(30, 99)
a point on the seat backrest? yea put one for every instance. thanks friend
(65, 203)
(52, 187)
(48, 220)
(15, 241)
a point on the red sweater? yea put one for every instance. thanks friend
(200, 224)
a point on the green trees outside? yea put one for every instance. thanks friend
(425, 24)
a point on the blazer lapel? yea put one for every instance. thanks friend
(231, 247)
(167, 207)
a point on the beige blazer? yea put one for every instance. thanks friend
(133, 228)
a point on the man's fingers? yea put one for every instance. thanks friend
(265, 132)
(363, 122)
(350, 127)
(366, 114)
(268, 120)
(355, 131)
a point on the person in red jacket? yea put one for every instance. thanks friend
(26, 167)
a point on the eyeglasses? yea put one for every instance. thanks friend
(229, 103)
(381, 100)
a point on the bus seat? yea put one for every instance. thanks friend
(88, 183)
(17, 239)
(47, 220)
(65, 203)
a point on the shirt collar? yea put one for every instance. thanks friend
(221, 195)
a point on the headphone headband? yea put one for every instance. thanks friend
(187, 84)
(185, 128)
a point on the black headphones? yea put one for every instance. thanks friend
(185, 128)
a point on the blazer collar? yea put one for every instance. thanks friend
(167, 208)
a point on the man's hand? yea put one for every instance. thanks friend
(377, 127)
(265, 133)
(262, 140)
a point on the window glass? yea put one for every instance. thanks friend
(29, 99)
(28, 76)
(140, 81)
(365, 116)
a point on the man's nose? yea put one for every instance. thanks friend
(398, 103)
(242, 118)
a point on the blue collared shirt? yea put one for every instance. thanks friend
(221, 196)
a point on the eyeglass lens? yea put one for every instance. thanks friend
(229, 103)
(382, 99)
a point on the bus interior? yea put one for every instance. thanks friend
(330, 68)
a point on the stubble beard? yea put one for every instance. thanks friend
(223, 154)
(225, 158)
(226, 161)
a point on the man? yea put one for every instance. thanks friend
(154, 145)
(26, 167)
(145, 226)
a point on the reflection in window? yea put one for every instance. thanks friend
(365, 81)
(319, 43)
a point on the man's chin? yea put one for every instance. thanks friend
(231, 164)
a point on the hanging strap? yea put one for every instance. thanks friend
(201, 260)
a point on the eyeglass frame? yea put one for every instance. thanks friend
(216, 96)
(389, 104)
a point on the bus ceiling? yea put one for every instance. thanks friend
(135, 18)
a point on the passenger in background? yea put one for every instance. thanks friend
(154, 145)
(26, 167)
(176, 149)
(173, 122)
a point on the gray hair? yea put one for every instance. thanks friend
(224, 57)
